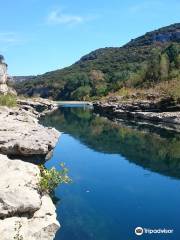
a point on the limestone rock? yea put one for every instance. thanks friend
(164, 111)
(21, 205)
(3, 73)
(4, 89)
(18, 181)
(40, 105)
(21, 134)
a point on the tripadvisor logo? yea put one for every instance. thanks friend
(139, 231)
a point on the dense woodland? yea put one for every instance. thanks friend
(146, 62)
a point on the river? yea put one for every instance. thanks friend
(124, 175)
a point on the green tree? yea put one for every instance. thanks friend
(164, 66)
(81, 93)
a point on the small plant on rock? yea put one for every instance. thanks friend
(51, 178)
(8, 100)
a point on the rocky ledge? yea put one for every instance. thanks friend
(164, 111)
(25, 213)
(22, 135)
(40, 105)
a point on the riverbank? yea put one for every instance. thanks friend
(164, 112)
(25, 213)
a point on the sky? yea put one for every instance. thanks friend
(37, 36)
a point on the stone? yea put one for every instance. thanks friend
(163, 111)
(40, 105)
(21, 204)
(25, 213)
(3, 73)
(21, 134)
(4, 89)
(18, 187)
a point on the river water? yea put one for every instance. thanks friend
(124, 176)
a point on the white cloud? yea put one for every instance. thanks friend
(57, 17)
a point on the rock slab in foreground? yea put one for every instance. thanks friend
(22, 205)
(21, 134)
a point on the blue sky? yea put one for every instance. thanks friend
(37, 36)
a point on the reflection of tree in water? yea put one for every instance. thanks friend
(158, 151)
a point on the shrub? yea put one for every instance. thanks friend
(8, 100)
(51, 178)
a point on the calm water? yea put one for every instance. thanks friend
(124, 176)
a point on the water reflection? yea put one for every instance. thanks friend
(157, 150)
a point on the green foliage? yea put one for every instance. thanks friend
(144, 62)
(81, 93)
(164, 66)
(8, 100)
(172, 89)
(50, 179)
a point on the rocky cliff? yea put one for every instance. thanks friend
(25, 212)
(4, 89)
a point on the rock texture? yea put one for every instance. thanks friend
(4, 89)
(164, 111)
(40, 105)
(21, 134)
(24, 212)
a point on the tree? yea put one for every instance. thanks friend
(164, 66)
(82, 93)
(1, 58)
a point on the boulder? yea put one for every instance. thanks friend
(21, 134)
(24, 212)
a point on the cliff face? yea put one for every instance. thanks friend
(163, 35)
(3, 78)
(25, 212)
(4, 89)
(3, 73)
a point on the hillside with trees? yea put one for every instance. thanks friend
(151, 61)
